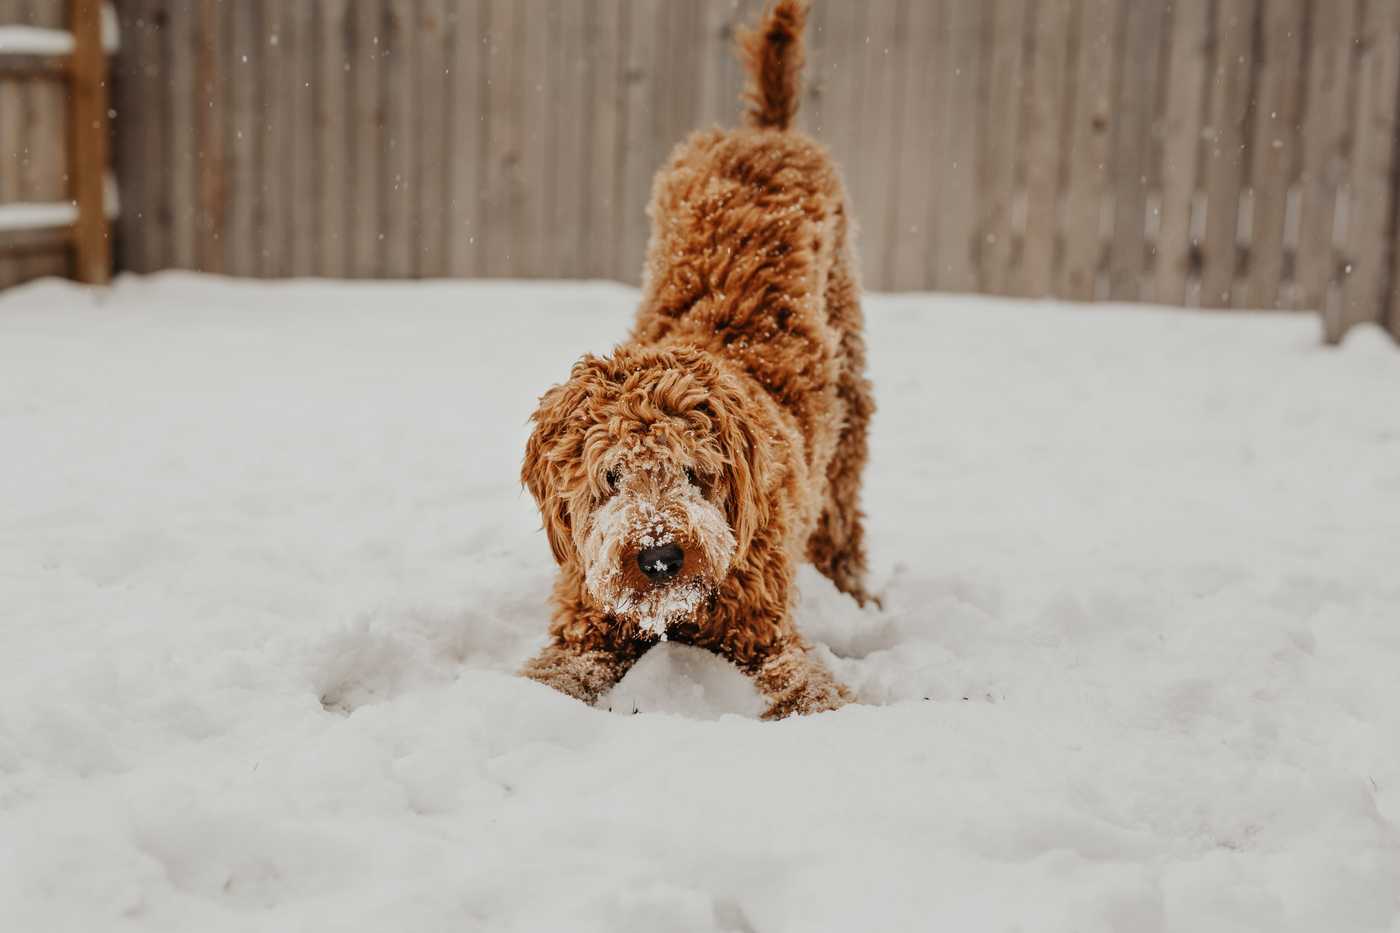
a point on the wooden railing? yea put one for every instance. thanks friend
(54, 202)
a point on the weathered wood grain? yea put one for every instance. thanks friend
(956, 213)
(274, 139)
(1370, 229)
(299, 207)
(467, 117)
(1042, 143)
(914, 240)
(399, 105)
(363, 195)
(1090, 134)
(92, 261)
(503, 194)
(1162, 150)
(1188, 59)
(12, 139)
(1226, 158)
(1132, 145)
(1001, 93)
(639, 155)
(244, 141)
(332, 145)
(1326, 130)
(1275, 149)
(183, 39)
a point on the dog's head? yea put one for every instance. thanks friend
(649, 469)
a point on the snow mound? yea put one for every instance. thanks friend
(266, 572)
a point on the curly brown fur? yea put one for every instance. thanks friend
(732, 425)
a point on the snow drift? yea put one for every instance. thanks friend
(266, 570)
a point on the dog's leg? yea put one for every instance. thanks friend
(582, 673)
(837, 545)
(795, 683)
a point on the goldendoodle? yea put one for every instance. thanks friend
(682, 478)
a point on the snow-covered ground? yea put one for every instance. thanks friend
(265, 572)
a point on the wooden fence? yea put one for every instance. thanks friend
(53, 140)
(1200, 152)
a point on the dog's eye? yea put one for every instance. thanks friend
(614, 476)
(696, 481)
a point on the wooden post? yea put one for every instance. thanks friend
(88, 102)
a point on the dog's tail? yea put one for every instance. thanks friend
(773, 55)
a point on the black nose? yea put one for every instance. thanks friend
(661, 563)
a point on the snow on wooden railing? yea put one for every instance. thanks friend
(76, 55)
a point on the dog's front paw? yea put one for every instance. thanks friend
(797, 684)
(808, 698)
(583, 675)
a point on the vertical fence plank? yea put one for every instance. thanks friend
(1090, 131)
(637, 165)
(681, 65)
(88, 155)
(1369, 230)
(718, 74)
(398, 35)
(501, 188)
(841, 74)
(211, 64)
(274, 118)
(47, 137)
(428, 192)
(602, 218)
(365, 222)
(241, 245)
(298, 45)
(1132, 145)
(956, 269)
(155, 85)
(912, 251)
(1225, 162)
(133, 116)
(1371, 234)
(999, 136)
(877, 124)
(1325, 133)
(333, 152)
(467, 100)
(1188, 59)
(534, 244)
(1274, 148)
(182, 45)
(573, 182)
(1041, 143)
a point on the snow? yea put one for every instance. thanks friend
(45, 215)
(267, 570)
(25, 215)
(37, 40)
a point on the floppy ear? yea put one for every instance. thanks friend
(750, 460)
(536, 475)
(554, 443)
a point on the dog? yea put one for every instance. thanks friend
(682, 478)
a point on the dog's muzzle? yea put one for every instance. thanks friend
(661, 564)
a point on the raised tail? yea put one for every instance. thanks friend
(773, 55)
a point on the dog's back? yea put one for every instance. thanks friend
(749, 254)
